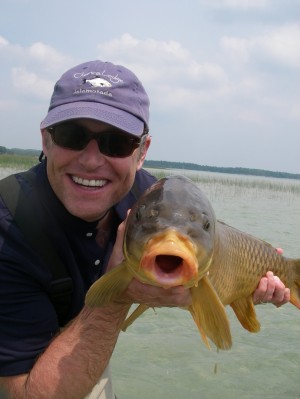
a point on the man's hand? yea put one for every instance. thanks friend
(155, 297)
(271, 289)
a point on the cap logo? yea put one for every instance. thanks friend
(98, 75)
(97, 82)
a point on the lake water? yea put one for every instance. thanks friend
(162, 356)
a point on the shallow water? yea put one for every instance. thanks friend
(162, 356)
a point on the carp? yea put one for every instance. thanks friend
(172, 238)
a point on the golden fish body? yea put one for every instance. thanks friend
(238, 263)
(173, 238)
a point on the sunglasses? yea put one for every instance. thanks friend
(112, 143)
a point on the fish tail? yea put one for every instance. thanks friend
(134, 315)
(109, 287)
(210, 315)
(295, 289)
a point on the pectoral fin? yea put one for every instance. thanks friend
(245, 312)
(109, 287)
(134, 315)
(210, 315)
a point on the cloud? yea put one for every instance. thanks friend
(280, 45)
(30, 71)
(168, 69)
(3, 42)
(43, 53)
(236, 4)
(31, 84)
(179, 82)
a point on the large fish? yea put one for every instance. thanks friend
(173, 238)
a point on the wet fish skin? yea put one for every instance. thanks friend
(238, 263)
(174, 220)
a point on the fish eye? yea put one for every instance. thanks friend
(153, 212)
(206, 222)
(206, 225)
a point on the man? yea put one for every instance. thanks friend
(95, 139)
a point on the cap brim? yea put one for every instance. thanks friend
(100, 112)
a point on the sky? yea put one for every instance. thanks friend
(222, 75)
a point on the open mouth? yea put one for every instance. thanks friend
(169, 260)
(168, 263)
(88, 183)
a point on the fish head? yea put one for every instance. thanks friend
(169, 236)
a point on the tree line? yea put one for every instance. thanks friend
(230, 170)
(19, 151)
(180, 165)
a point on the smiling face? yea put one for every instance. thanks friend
(87, 182)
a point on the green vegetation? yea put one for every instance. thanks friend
(205, 168)
(17, 158)
(234, 183)
(20, 162)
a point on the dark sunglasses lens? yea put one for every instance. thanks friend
(75, 137)
(117, 145)
(69, 135)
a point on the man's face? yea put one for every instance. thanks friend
(87, 182)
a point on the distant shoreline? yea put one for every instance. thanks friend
(217, 169)
(18, 157)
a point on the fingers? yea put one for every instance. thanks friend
(152, 296)
(271, 289)
(117, 255)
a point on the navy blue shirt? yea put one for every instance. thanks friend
(28, 320)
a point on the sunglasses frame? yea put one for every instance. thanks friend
(132, 141)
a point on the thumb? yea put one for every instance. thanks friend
(117, 255)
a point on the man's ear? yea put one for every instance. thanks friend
(143, 151)
(45, 141)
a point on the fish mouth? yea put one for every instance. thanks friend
(170, 260)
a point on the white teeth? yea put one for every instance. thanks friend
(88, 183)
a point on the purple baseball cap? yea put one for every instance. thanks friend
(101, 91)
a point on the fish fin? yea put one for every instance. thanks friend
(202, 333)
(134, 315)
(295, 289)
(210, 315)
(245, 312)
(109, 287)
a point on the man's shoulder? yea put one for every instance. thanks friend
(144, 179)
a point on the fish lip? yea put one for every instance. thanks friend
(171, 244)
